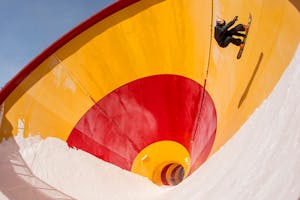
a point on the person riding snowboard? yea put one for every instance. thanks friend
(224, 36)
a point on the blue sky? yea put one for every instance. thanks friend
(30, 26)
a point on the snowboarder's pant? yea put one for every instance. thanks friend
(232, 40)
(234, 32)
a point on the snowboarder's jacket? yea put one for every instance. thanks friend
(221, 30)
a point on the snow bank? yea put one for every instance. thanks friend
(77, 173)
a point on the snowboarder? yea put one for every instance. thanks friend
(224, 36)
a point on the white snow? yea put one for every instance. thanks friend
(74, 172)
(262, 161)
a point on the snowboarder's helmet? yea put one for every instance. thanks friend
(220, 21)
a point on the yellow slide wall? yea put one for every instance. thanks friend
(152, 37)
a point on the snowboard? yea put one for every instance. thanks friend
(239, 55)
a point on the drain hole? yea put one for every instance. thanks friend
(172, 174)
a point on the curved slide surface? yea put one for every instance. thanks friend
(143, 85)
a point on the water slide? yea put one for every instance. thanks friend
(142, 85)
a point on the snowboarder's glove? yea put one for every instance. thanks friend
(235, 18)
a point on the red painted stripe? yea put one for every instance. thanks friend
(199, 155)
(163, 174)
(151, 109)
(13, 83)
(99, 149)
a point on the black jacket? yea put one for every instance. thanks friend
(221, 30)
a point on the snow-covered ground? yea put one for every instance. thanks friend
(262, 161)
(74, 172)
